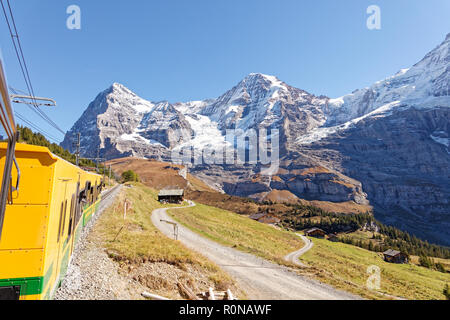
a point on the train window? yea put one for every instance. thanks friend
(72, 214)
(64, 219)
(60, 220)
(95, 193)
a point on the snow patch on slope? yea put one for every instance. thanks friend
(322, 132)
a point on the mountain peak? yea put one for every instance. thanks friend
(261, 76)
(119, 86)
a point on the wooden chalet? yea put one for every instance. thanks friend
(171, 196)
(394, 256)
(315, 232)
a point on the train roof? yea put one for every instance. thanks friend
(38, 149)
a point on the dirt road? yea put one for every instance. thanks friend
(294, 256)
(260, 279)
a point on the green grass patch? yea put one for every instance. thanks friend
(345, 267)
(239, 232)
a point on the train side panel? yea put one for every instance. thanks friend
(22, 246)
(54, 202)
(66, 223)
(63, 182)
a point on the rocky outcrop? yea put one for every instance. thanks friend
(169, 132)
(404, 171)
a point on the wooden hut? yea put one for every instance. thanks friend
(171, 196)
(394, 256)
(316, 233)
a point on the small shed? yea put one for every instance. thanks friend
(394, 256)
(171, 196)
(316, 233)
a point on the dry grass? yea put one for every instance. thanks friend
(445, 262)
(136, 242)
(341, 207)
(160, 175)
(239, 232)
(281, 196)
(157, 175)
(313, 170)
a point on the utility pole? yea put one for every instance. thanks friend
(98, 157)
(109, 180)
(77, 145)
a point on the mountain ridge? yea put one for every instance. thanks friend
(387, 144)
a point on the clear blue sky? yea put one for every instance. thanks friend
(191, 50)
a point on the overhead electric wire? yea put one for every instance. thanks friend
(23, 65)
(38, 129)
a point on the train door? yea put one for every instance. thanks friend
(73, 222)
(61, 243)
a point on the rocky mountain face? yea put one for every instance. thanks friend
(387, 145)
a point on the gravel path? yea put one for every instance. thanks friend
(294, 256)
(92, 275)
(259, 278)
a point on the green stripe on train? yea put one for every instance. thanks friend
(36, 285)
(29, 286)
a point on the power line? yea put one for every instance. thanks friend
(23, 65)
(38, 129)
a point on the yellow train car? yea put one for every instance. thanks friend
(43, 221)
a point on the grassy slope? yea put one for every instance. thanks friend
(140, 241)
(240, 232)
(340, 265)
(344, 266)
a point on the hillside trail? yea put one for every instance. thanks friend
(259, 278)
(295, 256)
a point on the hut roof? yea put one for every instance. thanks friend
(171, 193)
(391, 253)
(314, 229)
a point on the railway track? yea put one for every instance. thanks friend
(108, 193)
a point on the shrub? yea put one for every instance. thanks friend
(130, 176)
(447, 292)
(426, 262)
(440, 267)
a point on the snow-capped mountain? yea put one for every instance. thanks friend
(387, 144)
(423, 86)
(261, 101)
